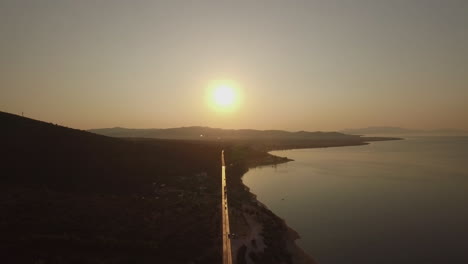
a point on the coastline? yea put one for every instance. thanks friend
(287, 233)
(275, 234)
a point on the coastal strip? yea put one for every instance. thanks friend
(260, 235)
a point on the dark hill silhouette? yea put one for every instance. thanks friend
(49, 154)
(70, 196)
(207, 133)
(260, 140)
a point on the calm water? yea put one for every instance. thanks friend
(388, 202)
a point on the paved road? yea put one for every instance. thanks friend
(227, 254)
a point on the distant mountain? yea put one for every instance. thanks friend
(384, 130)
(207, 133)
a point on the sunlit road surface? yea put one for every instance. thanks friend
(227, 254)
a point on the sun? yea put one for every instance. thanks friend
(223, 96)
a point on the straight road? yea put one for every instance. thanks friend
(227, 254)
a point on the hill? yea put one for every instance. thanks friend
(207, 133)
(259, 140)
(70, 196)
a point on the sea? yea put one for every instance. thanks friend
(402, 201)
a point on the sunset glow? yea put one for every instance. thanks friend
(255, 131)
(223, 95)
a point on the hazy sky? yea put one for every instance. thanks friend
(302, 65)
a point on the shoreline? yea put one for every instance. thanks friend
(287, 235)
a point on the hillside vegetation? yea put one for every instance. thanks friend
(70, 196)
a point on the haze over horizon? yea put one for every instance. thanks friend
(307, 65)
